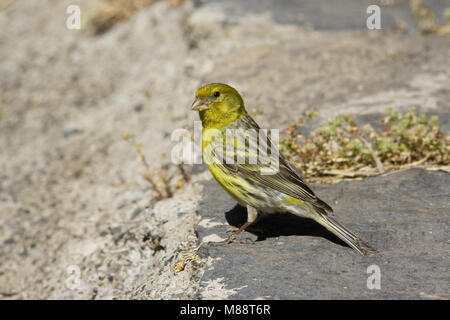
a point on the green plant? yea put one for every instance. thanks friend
(342, 149)
(160, 178)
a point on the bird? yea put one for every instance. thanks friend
(246, 162)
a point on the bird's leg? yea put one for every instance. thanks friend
(252, 214)
(252, 217)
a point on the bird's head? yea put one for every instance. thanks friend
(217, 102)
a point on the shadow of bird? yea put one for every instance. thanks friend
(280, 224)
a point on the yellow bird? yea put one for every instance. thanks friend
(245, 162)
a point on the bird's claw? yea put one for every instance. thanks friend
(230, 230)
(244, 241)
(231, 240)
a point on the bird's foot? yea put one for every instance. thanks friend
(231, 230)
(231, 239)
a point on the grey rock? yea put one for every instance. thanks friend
(404, 215)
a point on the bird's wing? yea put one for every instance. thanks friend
(285, 178)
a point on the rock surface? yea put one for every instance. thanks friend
(76, 220)
(404, 215)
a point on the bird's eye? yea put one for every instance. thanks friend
(216, 94)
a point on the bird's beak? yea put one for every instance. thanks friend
(199, 104)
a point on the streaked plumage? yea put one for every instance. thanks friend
(222, 112)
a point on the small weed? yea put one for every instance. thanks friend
(187, 257)
(112, 12)
(158, 178)
(342, 149)
(426, 20)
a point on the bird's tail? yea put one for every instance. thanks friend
(345, 235)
